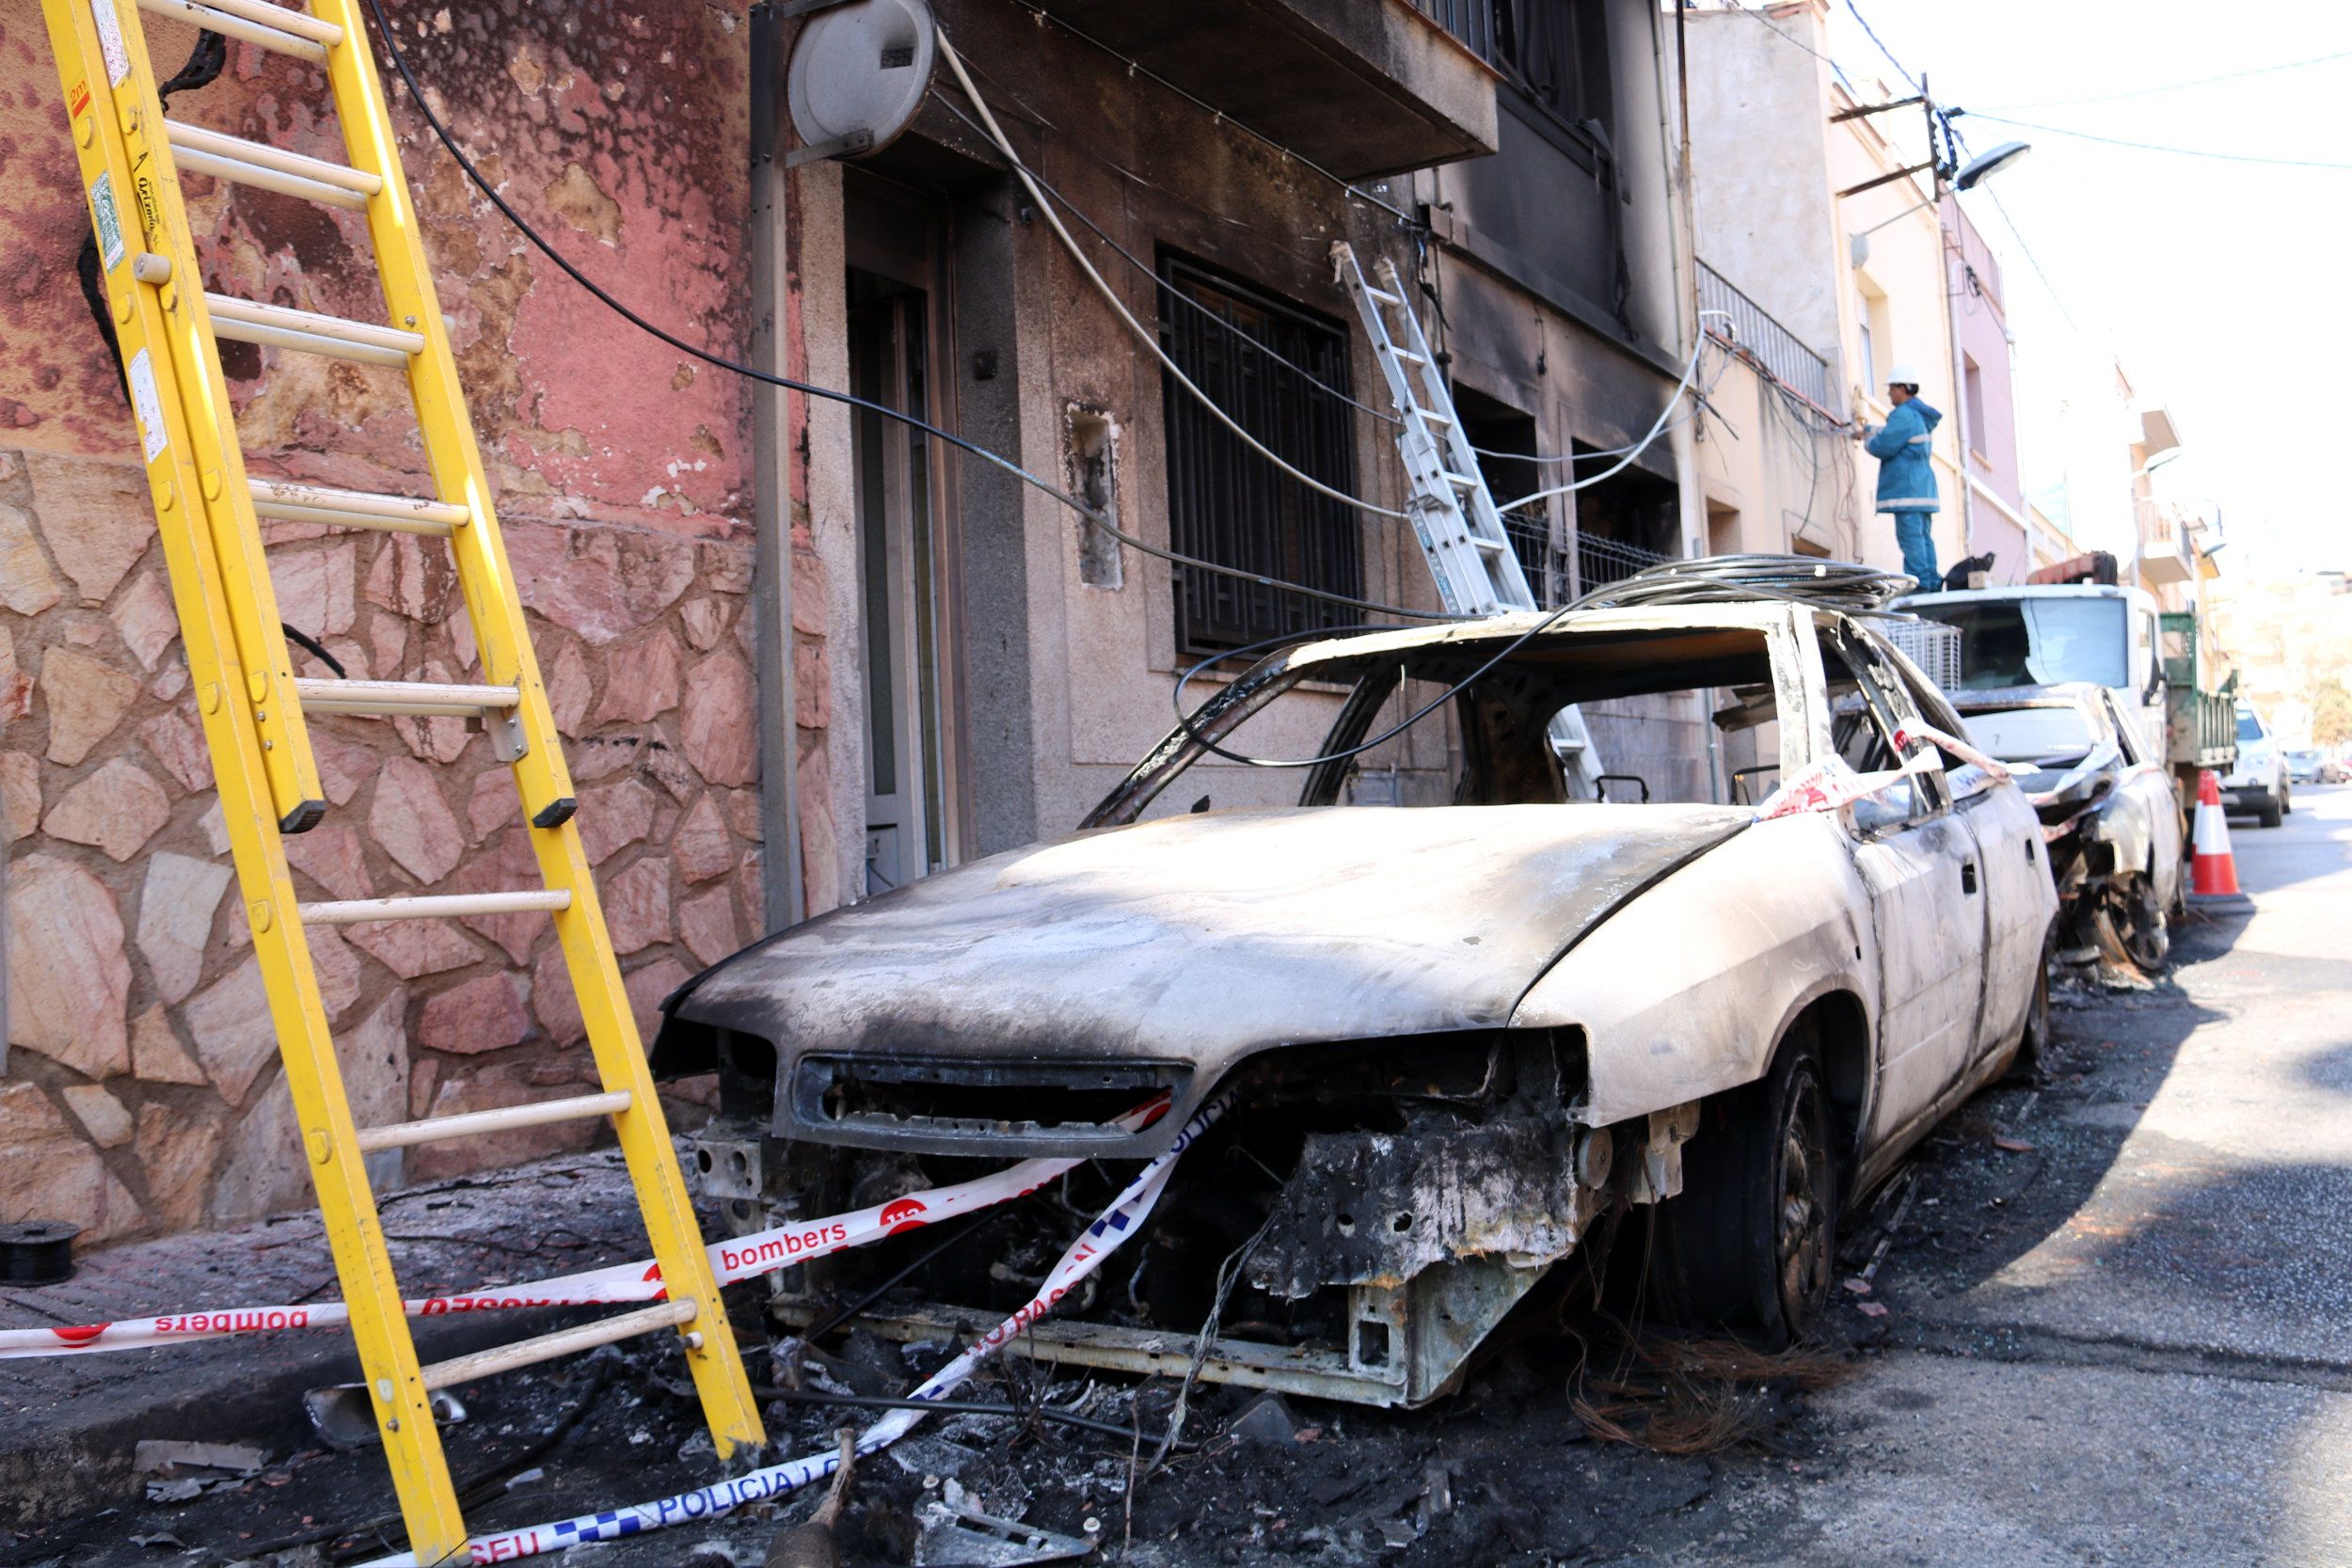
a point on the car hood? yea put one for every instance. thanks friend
(1198, 940)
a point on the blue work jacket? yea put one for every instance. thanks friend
(1906, 471)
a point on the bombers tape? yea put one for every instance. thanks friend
(734, 1259)
(1117, 1223)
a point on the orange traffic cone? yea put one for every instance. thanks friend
(2212, 872)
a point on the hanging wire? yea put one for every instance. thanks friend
(1092, 515)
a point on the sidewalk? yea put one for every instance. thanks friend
(67, 1424)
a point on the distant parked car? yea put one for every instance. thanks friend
(2258, 784)
(2306, 766)
(2107, 810)
(2335, 770)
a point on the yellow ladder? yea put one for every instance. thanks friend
(253, 705)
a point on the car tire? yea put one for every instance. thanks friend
(2127, 924)
(2033, 1040)
(2271, 815)
(1749, 1245)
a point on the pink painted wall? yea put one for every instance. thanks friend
(142, 1089)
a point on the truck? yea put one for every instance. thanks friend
(2152, 661)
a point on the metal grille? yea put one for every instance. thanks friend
(1753, 334)
(1601, 560)
(1931, 645)
(1229, 505)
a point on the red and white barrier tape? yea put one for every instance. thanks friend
(1118, 1222)
(737, 1258)
(1830, 783)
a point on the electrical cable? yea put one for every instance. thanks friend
(1171, 291)
(1184, 720)
(2175, 86)
(1093, 516)
(1258, 344)
(1142, 334)
(1908, 80)
(1682, 386)
(2153, 146)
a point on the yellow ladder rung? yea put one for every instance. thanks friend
(505, 1119)
(389, 698)
(246, 321)
(547, 1347)
(267, 32)
(432, 905)
(254, 707)
(271, 168)
(317, 503)
(286, 20)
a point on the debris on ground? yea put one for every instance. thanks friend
(810, 1543)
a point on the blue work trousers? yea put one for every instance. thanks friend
(1916, 532)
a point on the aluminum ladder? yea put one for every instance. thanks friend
(1454, 513)
(253, 706)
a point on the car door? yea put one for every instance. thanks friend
(2014, 876)
(1918, 859)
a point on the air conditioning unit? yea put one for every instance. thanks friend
(1931, 645)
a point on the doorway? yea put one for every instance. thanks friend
(908, 828)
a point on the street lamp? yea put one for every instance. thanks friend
(1978, 169)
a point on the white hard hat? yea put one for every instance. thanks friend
(1902, 375)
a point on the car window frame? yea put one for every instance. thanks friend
(1889, 705)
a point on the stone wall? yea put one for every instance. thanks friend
(143, 1091)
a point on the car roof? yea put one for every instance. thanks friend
(1745, 615)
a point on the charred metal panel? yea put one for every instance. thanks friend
(1199, 940)
(1380, 1207)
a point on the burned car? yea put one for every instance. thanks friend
(2107, 809)
(1461, 1042)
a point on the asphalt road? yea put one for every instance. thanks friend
(2113, 1326)
(2133, 1342)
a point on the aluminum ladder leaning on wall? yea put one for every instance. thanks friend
(1454, 513)
(253, 706)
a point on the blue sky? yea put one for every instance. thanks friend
(2218, 285)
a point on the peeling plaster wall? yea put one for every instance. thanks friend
(143, 1093)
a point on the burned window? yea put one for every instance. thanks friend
(1226, 503)
(1556, 53)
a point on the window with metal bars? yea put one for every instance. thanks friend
(1226, 503)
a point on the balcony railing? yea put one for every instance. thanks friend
(1560, 562)
(1749, 330)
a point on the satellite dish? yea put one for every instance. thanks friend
(858, 75)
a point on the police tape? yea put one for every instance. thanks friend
(733, 1260)
(1832, 782)
(1101, 1239)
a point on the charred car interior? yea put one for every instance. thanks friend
(1459, 1044)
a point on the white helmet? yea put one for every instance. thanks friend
(1902, 375)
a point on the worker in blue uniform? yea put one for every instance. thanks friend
(1907, 472)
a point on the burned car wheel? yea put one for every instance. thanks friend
(1747, 1246)
(2127, 924)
